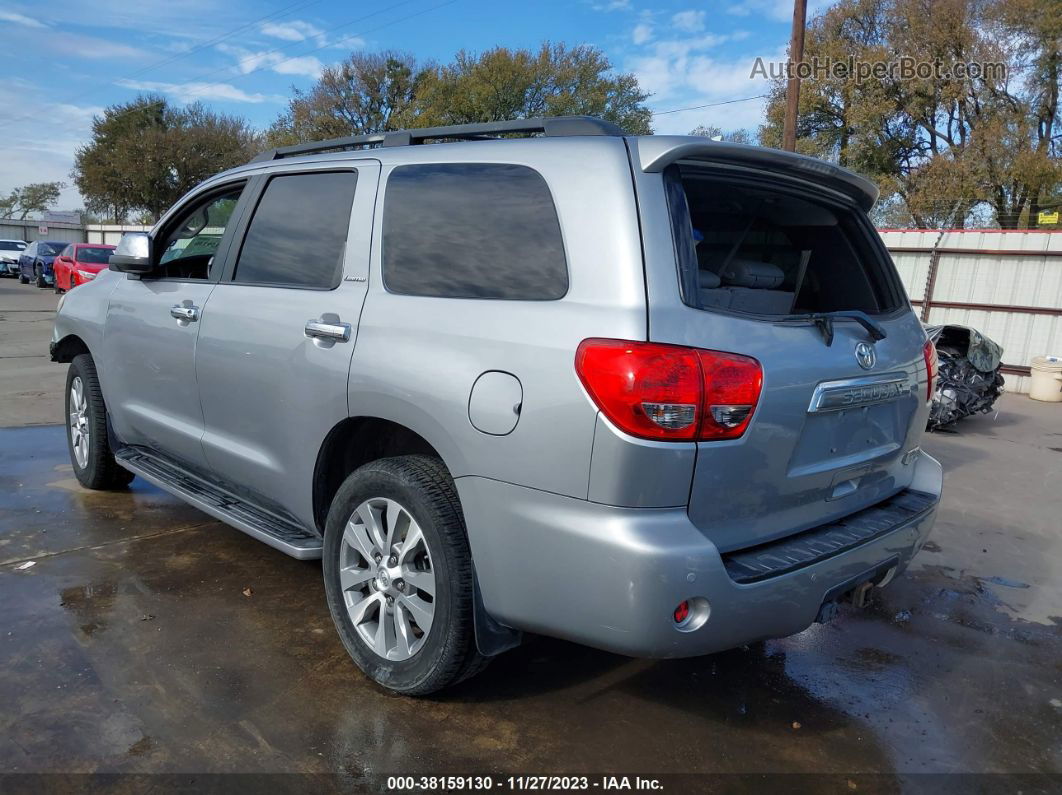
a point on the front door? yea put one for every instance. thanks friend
(275, 348)
(149, 377)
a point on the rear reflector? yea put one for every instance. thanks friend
(669, 392)
(929, 353)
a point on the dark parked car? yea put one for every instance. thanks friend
(35, 264)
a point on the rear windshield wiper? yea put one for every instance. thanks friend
(824, 322)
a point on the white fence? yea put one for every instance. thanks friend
(1007, 284)
(110, 233)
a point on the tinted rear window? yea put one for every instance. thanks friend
(299, 231)
(472, 230)
(94, 256)
(7, 245)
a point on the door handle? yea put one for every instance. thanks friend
(319, 329)
(186, 313)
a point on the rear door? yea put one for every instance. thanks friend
(835, 418)
(153, 323)
(274, 351)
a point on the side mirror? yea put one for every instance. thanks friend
(133, 254)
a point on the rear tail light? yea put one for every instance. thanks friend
(669, 392)
(929, 353)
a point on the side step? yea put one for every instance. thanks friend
(278, 532)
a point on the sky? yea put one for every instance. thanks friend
(67, 60)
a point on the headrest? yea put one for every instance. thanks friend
(707, 280)
(750, 273)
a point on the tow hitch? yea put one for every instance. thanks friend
(855, 590)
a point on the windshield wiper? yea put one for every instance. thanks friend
(824, 322)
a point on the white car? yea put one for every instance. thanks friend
(9, 254)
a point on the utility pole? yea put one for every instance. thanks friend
(792, 89)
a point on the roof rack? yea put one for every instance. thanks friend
(551, 127)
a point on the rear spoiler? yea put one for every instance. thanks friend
(654, 153)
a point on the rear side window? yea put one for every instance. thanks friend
(299, 231)
(472, 230)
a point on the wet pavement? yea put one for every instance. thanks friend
(147, 637)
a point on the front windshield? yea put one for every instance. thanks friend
(94, 256)
(50, 249)
(12, 245)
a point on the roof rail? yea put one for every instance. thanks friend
(550, 126)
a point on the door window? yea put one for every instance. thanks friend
(299, 231)
(188, 245)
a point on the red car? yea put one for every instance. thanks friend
(79, 263)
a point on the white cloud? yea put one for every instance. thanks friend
(642, 33)
(28, 156)
(296, 30)
(196, 91)
(248, 61)
(689, 21)
(776, 10)
(20, 19)
(94, 48)
(612, 5)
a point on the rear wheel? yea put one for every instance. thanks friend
(398, 575)
(90, 451)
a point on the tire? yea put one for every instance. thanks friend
(446, 653)
(40, 278)
(94, 464)
(22, 278)
(58, 290)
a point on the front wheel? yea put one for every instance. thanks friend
(398, 575)
(40, 279)
(90, 451)
(22, 278)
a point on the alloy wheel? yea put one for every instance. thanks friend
(79, 422)
(387, 579)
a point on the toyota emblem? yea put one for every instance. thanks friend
(864, 353)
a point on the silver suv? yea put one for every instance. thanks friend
(658, 395)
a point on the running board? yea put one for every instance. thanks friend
(279, 533)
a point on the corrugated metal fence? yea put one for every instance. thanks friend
(31, 229)
(1007, 284)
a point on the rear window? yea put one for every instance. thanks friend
(94, 256)
(751, 248)
(472, 230)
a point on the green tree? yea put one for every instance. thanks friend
(145, 154)
(34, 198)
(374, 92)
(555, 80)
(368, 92)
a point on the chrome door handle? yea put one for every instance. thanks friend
(321, 330)
(188, 313)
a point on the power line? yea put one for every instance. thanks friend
(709, 105)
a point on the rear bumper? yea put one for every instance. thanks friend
(611, 577)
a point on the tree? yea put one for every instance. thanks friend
(511, 84)
(368, 92)
(946, 145)
(718, 134)
(145, 154)
(375, 92)
(34, 198)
